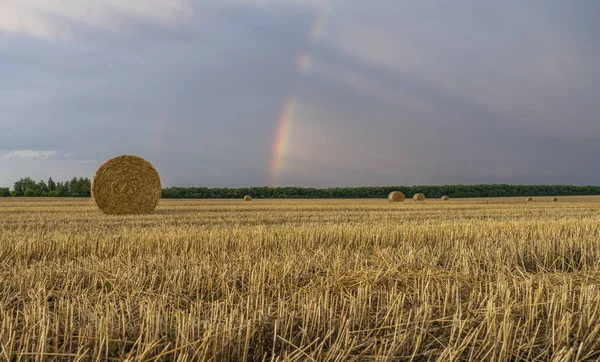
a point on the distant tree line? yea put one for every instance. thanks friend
(80, 187)
(26, 187)
(457, 191)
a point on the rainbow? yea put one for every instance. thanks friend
(288, 109)
(282, 136)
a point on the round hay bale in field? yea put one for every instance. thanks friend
(126, 185)
(396, 196)
(247, 198)
(555, 199)
(445, 198)
(529, 199)
(419, 197)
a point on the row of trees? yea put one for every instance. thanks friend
(76, 187)
(379, 192)
(80, 187)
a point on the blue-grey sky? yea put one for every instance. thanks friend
(385, 92)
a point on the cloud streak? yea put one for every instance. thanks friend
(27, 154)
(56, 18)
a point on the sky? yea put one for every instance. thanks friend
(315, 93)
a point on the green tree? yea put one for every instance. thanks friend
(19, 190)
(51, 185)
(42, 189)
(62, 189)
(23, 185)
(81, 187)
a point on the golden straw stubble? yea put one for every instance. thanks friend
(126, 185)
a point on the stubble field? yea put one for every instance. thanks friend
(302, 280)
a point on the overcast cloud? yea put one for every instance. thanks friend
(396, 92)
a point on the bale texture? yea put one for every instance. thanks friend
(247, 198)
(529, 199)
(419, 197)
(396, 196)
(126, 185)
(555, 199)
(445, 198)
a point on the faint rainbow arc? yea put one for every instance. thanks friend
(288, 109)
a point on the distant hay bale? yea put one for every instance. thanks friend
(396, 196)
(555, 199)
(529, 199)
(419, 197)
(445, 198)
(126, 185)
(247, 198)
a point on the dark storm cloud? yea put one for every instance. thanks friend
(398, 92)
(433, 136)
(199, 102)
(452, 98)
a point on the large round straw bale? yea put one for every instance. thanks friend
(396, 196)
(126, 185)
(529, 199)
(555, 199)
(247, 198)
(445, 198)
(419, 197)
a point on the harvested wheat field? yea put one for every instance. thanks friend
(301, 280)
